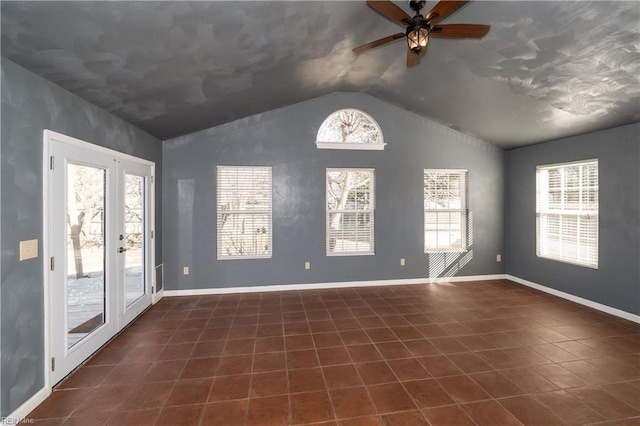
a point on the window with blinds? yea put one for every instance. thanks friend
(350, 211)
(567, 212)
(445, 210)
(244, 212)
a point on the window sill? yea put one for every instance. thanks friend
(569, 261)
(352, 146)
(445, 251)
(353, 253)
(244, 257)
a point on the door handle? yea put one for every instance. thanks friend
(122, 250)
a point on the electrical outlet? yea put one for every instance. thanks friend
(498, 258)
(307, 265)
(28, 249)
(185, 270)
(402, 261)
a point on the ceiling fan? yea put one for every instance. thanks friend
(420, 28)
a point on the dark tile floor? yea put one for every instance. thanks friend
(483, 353)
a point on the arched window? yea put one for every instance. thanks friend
(350, 129)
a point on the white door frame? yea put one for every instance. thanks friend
(48, 137)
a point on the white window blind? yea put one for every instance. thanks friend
(244, 212)
(445, 210)
(350, 211)
(567, 212)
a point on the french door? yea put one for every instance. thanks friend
(100, 226)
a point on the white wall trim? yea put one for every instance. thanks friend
(359, 146)
(46, 285)
(50, 134)
(317, 286)
(157, 296)
(595, 305)
(29, 405)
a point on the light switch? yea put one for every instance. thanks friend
(402, 262)
(307, 265)
(185, 270)
(28, 249)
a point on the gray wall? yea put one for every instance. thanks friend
(616, 282)
(29, 105)
(284, 139)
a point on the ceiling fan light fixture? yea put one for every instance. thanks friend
(417, 38)
(418, 29)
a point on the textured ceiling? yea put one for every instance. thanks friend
(546, 69)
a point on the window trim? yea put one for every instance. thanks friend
(270, 212)
(361, 146)
(564, 213)
(351, 146)
(372, 192)
(464, 211)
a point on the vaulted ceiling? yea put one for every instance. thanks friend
(546, 69)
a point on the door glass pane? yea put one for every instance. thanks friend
(134, 278)
(85, 251)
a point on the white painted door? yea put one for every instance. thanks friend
(100, 222)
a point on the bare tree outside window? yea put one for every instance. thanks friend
(85, 284)
(85, 217)
(134, 209)
(350, 127)
(350, 211)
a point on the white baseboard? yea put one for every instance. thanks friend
(317, 286)
(595, 305)
(29, 405)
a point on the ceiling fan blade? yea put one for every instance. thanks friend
(460, 30)
(390, 11)
(413, 58)
(376, 43)
(442, 10)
